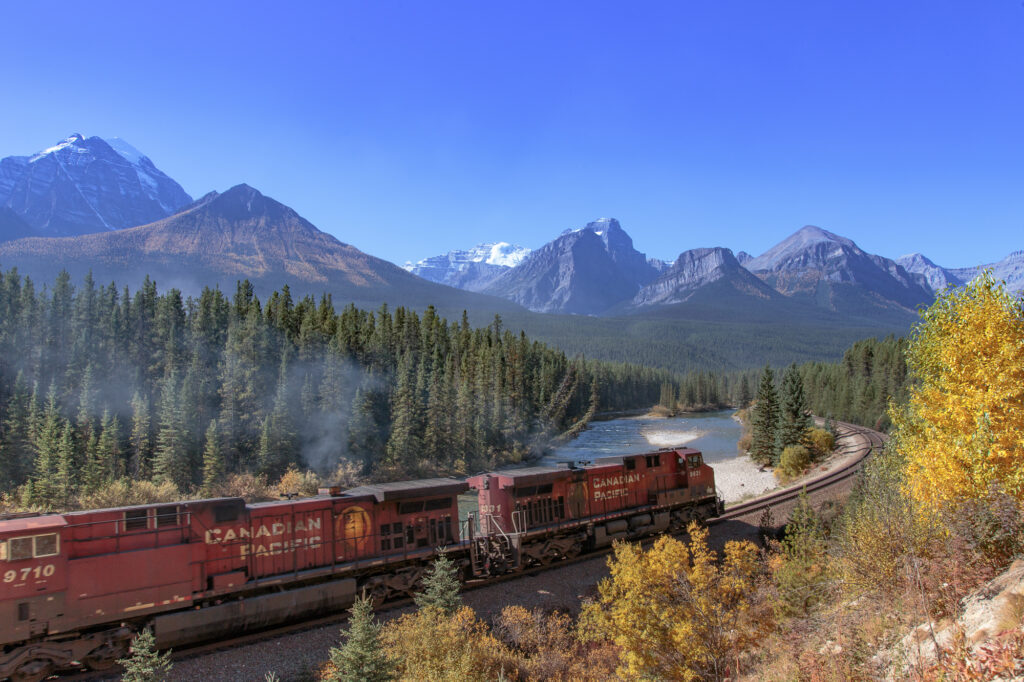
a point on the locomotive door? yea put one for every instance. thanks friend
(353, 533)
(577, 498)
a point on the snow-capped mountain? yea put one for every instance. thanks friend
(471, 270)
(83, 185)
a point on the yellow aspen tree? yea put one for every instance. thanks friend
(962, 429)
(674, 611)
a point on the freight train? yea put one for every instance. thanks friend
(76, 587)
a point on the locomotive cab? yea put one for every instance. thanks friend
(34, 576)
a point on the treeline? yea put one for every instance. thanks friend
(99, 383)
(859, 387)
(856, 389)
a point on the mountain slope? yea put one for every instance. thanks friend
(81, 186)
(584, 272)
(832, 272)
(12, 226)
(236, 235)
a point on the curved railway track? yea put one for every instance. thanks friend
(855, 443)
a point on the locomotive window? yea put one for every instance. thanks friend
(46, 545)
(166, 516)
(385, 528)
(410, 507)
(630, 464)
(443, 503)
(398, 542)
(21, 548)
(385, 544)
(396, 528)
(694, 461)
(545, 489)
(653, 461)
(136, 519)
(3, 550)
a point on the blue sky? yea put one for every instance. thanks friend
(411, 128)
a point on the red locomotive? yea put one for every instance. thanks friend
(77, 586)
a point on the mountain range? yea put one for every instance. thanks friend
(100, 206)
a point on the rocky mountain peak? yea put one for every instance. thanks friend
(696, 270)
(83, 185)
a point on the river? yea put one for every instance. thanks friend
(713, 433)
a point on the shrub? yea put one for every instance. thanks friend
(820, 442)
(295, 482)
(794, 461)
(125, 492)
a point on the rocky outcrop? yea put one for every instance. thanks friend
(697, 269)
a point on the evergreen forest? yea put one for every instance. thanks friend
(100, 384)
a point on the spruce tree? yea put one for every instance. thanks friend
(171, 457)
(794, 419)
(141, 438)
(213, 460)
(441, 586)
(361, 658)
(144, 663)
(765, 420)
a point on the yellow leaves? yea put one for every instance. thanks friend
(673, 610)
(961, 430)
(431, 646)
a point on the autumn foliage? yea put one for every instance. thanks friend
(674, 611)
(962, 430)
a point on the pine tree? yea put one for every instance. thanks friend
(213, 460)
(171, 457)
(46, 443)
(794, 419)
(441, 586)
(361, 658)
(144, 663)
(765, 420)
(141, 438)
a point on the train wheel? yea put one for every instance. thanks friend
(34, 670)
(378, 594)
(105, 656)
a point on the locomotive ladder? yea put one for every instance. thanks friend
(494, 551)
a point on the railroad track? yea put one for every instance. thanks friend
(856, 443)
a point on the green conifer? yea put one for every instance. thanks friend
(144, 663)
(441, 586)
(765, 420)
(361, 658)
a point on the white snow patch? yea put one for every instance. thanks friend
(506, 254)
(130, 153)
(56, 148)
